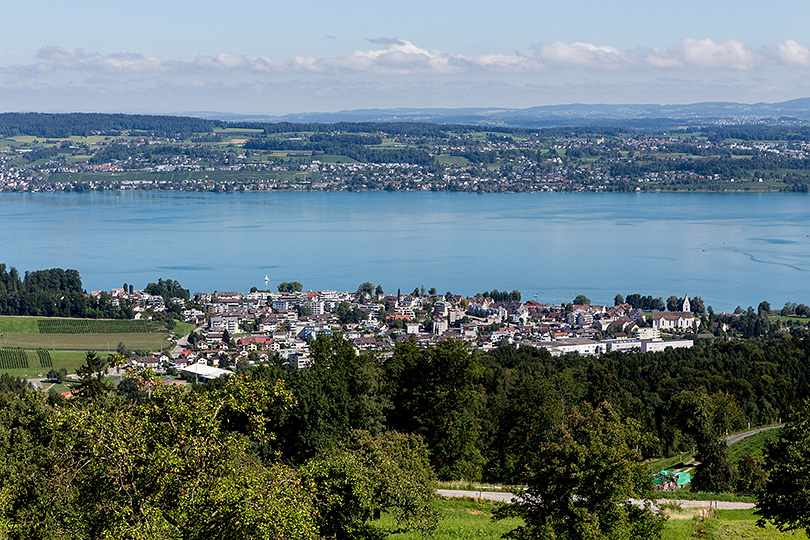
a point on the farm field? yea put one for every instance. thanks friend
(101, 342)
(70, 360)
(30, 346)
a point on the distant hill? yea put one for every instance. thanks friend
(575, 114)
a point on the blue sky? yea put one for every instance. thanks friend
(265, 57)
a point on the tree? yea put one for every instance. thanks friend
(581, 299)
(618, 300)
(290, 286)
(435, 393)
(92, 375)
(169, 468)
(366, 288)
(582, 478)
(785, 498)
(367, 474)
(57, 375)
(673, 303)
(378, 291)
(764, 309)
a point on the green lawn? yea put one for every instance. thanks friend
(19, 325)
(460, 519)
(752, 445)
(741, 524)
(182, 329)
(452, 160)
(785, 318)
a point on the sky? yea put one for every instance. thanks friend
(268, 57)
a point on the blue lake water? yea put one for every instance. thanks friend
(731, 249)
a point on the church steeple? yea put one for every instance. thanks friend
(687, 307)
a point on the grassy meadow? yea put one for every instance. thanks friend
(462, 519)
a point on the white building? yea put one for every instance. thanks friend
(655, 346)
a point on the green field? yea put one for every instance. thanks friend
(460, 519)
(466, 519)
(58, 325)
(70, 360)
(19, 325)
(105, 342)
(728, 525)
(20, 337)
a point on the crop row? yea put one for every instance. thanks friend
(44, 357)
(91, 326)
(13, 359)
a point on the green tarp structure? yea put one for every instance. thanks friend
(681, 478)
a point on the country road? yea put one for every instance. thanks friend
(507, 497)
(731, 439)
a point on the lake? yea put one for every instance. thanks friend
(730, 249)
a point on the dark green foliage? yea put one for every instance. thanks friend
(348, 314)
(339, 393)
(582, 478)
(13, 384)
(436, 394)
(502, 296)
(582, 299)
(785, 498)
(85, 124)
(290, 286)
(92, 383)
(366, 475)
(167, 289)
(51, 293)
(750, 475)
(57, 375)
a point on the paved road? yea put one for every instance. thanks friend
(488, 495)
(740, 436)
(507, 497)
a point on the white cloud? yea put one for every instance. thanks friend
(582, 54)
(397, 57)
(706, 54)
(791, 53)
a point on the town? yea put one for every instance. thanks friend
(197, 155)
(236, 330)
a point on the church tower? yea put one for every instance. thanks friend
(687, 307)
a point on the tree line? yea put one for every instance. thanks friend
(320, 451)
